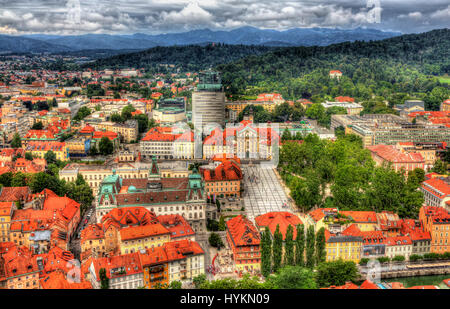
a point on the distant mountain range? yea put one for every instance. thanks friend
(39, 43)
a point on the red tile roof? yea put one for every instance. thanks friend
(99, 134)
(361, 216)
(282, 219)
(242, 231)
(12, 194)
(177, 226)
(392, 154)
(436, 186)
(398, 241)
(144, 231)
(226, 171)
(369, 285)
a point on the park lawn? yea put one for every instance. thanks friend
(444, 79)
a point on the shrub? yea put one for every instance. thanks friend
(415, 258)
(383, 259)
(398, 258)
(363, 261)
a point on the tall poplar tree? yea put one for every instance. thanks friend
(277, 248)
(300, 246)
(321, 254)
(266, 252)
(310, 245)
(289, 246)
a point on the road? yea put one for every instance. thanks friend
(74, 244)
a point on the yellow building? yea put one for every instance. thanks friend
(93, 240)
(76, 145)
(94, 174)
(175, 169)
(137, 238)
(238, 106)
(128, 130)
(40, 148)
(6, 212)
(365, 220)
(346, 248)
(320, 218)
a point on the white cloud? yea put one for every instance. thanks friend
(156, 16)
(442, 14)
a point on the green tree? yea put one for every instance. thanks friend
(16, 141)
(80, 193)
(126, 112)
(320, 246)
(266, 252)
(175, 285)
(439, 167)
(289, 258)
(277, 248)
(222, 226)
(300, 246)
(28, 156)
(142, 122)
(41, 181)
(105, 146)
(82, 113)
(50, 157)
(37, 126)
(310, 245)
(294, 277)
(215, 240)
(199, 280)
(19, 180)
(115, 117)
(6, 179)
(104, 280)
(336, 273)
(286, 136)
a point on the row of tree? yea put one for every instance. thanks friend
(307, 250)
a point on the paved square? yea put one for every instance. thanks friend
(263, 192)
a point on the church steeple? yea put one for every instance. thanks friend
(154, 178)
(153, 172)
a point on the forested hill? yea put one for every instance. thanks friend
(188, 58)
(399, 64)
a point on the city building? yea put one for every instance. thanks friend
(245, 140)
(224, 180)
(163, 196)
(6, 212)
(398, 245)
(123, 271)
(335, 74)
(374, 244)
(167, 143)
(421, 239)
(382, 154)
(436, 221)
(436, 191)
(40, 148)
(244, 241)
(208, 101)
(128, 131)
(343, 247)
(350, 107)
(364, 220)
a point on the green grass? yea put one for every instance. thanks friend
(444, 79)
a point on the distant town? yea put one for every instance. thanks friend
(125, 179)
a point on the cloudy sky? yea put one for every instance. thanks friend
(163, 16)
